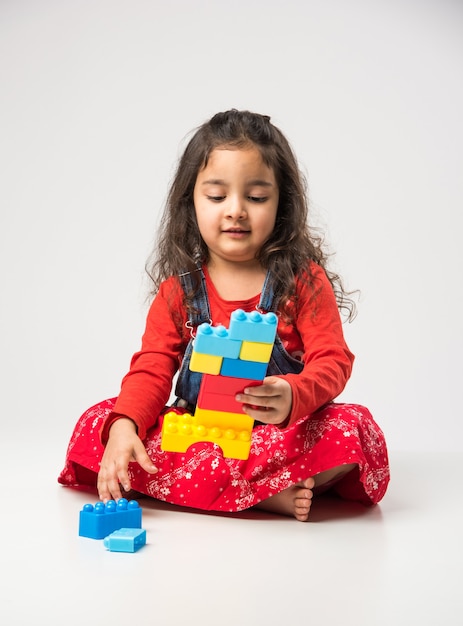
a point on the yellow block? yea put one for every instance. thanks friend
(253, 351)
(232, 432)
(205, 363)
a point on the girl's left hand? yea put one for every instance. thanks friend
(269, 403)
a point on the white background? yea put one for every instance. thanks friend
(96, 100)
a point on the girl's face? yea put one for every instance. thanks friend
(236, 202)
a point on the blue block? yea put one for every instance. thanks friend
(215, 340)
(99, 520)
(254, 326)
(125, 540)
(236, 368)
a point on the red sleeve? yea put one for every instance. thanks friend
(146, 388)
(327, 359)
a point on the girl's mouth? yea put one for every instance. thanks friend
(236, 232)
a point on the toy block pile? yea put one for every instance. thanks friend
(117, 523)
(230, 361)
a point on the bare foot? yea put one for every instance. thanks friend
(293, 501)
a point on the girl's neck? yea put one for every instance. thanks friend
(237, 281)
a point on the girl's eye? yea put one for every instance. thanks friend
(257, 198)
(216, 198)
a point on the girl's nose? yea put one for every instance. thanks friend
(236, 208)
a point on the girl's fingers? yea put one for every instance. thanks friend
(109, 486)
(142, 458)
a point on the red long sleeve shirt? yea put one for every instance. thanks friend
(314, 336)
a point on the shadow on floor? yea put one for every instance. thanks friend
(325, 508)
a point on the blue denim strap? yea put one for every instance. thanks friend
(280, 361)
(199, 312)
(267, 300)
(188, 382)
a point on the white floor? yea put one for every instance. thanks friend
(398, 563)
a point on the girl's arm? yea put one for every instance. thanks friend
(123, 446)
(145, 389)
(327, 361)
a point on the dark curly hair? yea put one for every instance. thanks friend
(293, 243)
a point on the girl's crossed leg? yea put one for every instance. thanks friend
(297, 499)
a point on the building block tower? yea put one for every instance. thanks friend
(230, 361)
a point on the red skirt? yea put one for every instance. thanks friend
(202, 478)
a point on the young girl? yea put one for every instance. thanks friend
(235, 236)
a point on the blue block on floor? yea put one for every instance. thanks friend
(100, 520)
(125, 540)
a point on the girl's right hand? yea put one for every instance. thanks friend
(123, 446)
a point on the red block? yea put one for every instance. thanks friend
(217, 393)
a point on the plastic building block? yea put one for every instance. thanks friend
(254, 351)
(230, 431)
(223, 421)
(243, 369)
(215, 340)
(220, 391)
(253, 326)
(205, 363)
(226, 385)
(99, 520)
(125, 540)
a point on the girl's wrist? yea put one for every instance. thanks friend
(122, 422)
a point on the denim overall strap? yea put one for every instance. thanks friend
(188, 382)
(280, 361)
(267, 300)
(199, 312)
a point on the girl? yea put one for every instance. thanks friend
(235, 235)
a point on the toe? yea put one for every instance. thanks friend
(309, 483)
(305, 494)
(301, 513)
